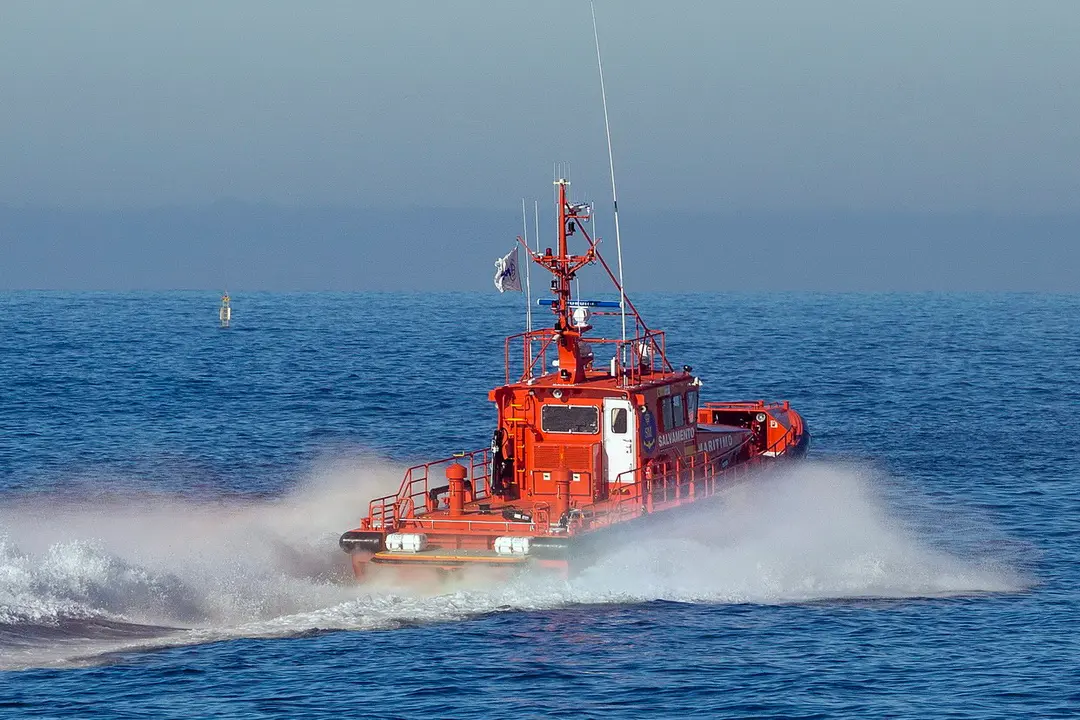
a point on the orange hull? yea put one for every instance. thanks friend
(458, 538)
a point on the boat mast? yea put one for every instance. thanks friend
(564, 267)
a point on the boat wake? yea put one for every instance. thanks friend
(814, 532)
(82, 577)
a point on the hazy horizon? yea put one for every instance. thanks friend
(242, 246)
(835, 145)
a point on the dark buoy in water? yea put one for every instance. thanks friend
(225, 312)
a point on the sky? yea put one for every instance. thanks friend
(854, 109)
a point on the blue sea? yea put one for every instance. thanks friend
(171, 494)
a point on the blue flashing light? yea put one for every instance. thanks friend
(548, 302)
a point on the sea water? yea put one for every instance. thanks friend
(171, 493)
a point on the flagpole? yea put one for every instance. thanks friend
(528, 262)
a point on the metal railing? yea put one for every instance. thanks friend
(412, 498)
(644, 354)
(674, 482)
(635, 492)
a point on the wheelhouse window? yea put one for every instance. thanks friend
(577, 419)
(672, 412)
(691, 405)
(667, 416)
(678, 414)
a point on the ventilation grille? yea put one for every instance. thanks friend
(570, 457)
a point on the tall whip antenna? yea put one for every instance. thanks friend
(528, 263)
(611, 163)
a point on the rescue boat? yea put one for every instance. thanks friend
(594, 434)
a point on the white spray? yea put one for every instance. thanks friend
(162, 570)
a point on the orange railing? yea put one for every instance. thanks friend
(411, 500)
(674, 482)
(644, 354)
(634, 493)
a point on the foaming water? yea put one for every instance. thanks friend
(145, 565)
(79, 578)
(813, 532)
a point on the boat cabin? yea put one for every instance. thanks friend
(597, 431)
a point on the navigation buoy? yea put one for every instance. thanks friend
(225, 313)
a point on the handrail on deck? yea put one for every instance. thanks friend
(411, 499)
(679, 478)
(676, 476)
(646, 352)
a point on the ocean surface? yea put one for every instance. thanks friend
(171, 494)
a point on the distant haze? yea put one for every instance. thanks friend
(353, 145)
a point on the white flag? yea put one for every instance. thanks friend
(506, 272)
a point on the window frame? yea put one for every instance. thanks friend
(667, 413)
(618, 413)
(691, 412)
(678, 411)
(595, 421)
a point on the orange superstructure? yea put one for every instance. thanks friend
(582, 444)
